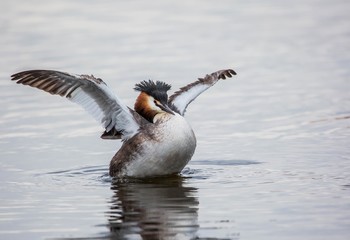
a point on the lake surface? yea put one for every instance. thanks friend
(273, 155)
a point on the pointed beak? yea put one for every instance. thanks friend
(166, 108)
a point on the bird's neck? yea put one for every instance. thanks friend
(143, 107)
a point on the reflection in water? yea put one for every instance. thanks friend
(159, 208)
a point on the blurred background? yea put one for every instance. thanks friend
(273, 142)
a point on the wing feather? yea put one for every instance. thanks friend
(91, 93)
(182, 98)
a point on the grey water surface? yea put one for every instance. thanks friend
(273, 154)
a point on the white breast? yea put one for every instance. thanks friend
(167, 154)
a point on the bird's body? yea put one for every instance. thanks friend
(161, 148)
(157, 139)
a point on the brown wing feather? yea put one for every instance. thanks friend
(90, 92)
(183, 97)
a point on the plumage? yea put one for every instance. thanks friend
(89, 92)
(153, 88)
(157, 138)
(182, 98)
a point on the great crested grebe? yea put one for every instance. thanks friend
(157, 140)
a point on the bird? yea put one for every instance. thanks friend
(156, 138)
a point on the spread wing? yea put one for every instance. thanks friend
(180, 99)
(91, 93)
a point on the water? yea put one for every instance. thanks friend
(273, 153)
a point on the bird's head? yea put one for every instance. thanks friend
(153, 99)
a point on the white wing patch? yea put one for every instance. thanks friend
(89, 92)
(187, 97)
(180, 99)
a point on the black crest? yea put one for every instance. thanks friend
(155, 89)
